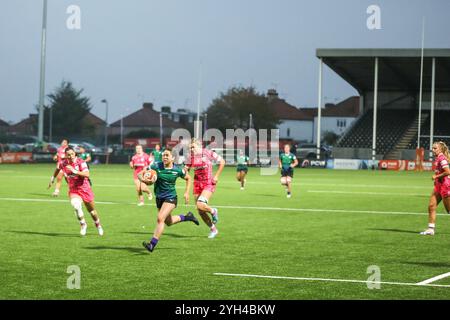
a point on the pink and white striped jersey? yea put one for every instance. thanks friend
(140, 162)
(202, 164)
(61, 153)
(75, 182)
(440, 164)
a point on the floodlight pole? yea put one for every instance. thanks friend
(121, 130)
(199, 94)
(42, 76)
(106, 129)
(421, 83)
(319, 110)
(433, 76)
(50, 130)
(161, 129)
(375, 102)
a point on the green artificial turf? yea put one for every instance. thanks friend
(336, 225)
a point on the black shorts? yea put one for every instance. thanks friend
(289, 172)
(159, 201)
(239, 169)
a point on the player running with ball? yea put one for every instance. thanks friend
(77, 174)
(201, 160)
(441, 189)
(287, 162)
(166, 195)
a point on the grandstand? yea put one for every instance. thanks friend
(441, 130)
(396, 98)
(392, 126)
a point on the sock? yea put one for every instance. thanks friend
(82, 221)
(213, 228)
(288, 192)
(154, 242)
(97, 223)
(431, 225)
(182, 217)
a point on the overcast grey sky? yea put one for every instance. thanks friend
(136, 50)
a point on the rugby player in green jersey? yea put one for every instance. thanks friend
(166, 196)
(84, 155)
(288, 161)
(242, 169)
(157, 154)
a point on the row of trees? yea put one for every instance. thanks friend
(230, 110)
(66, 110)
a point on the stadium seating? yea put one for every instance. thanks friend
(441, 128)
(391, 125)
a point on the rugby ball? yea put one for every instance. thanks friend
(150, 176)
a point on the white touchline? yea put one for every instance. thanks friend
(368, 193)
(246, 207)
(439, 277)
(47, 200)
(300, 183)
(327, 210)
(330, 280)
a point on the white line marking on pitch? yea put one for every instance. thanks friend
(246, 207)
(330, 280)
(368, 193)
(47, 200)
(439, 277)
(300, 183)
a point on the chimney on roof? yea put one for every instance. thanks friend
(272, 94)
(166, 109)
(147, 105)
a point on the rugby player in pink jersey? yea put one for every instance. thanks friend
(201, 160)
(441, 189)
(59, 157)
(77, 174)
(138, 162)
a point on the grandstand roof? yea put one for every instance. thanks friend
(398, 69)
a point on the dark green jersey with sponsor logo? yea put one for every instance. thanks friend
(242, 162)
(166, 182)
(287, 160)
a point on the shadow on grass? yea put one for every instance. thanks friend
(136, 250)
(47, 234)
(429, 264)
(268, 195)
(417, 232)
(46, 195)
(396, 230)
(171, 235)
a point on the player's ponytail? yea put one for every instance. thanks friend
(444, 149)
(196, 142)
